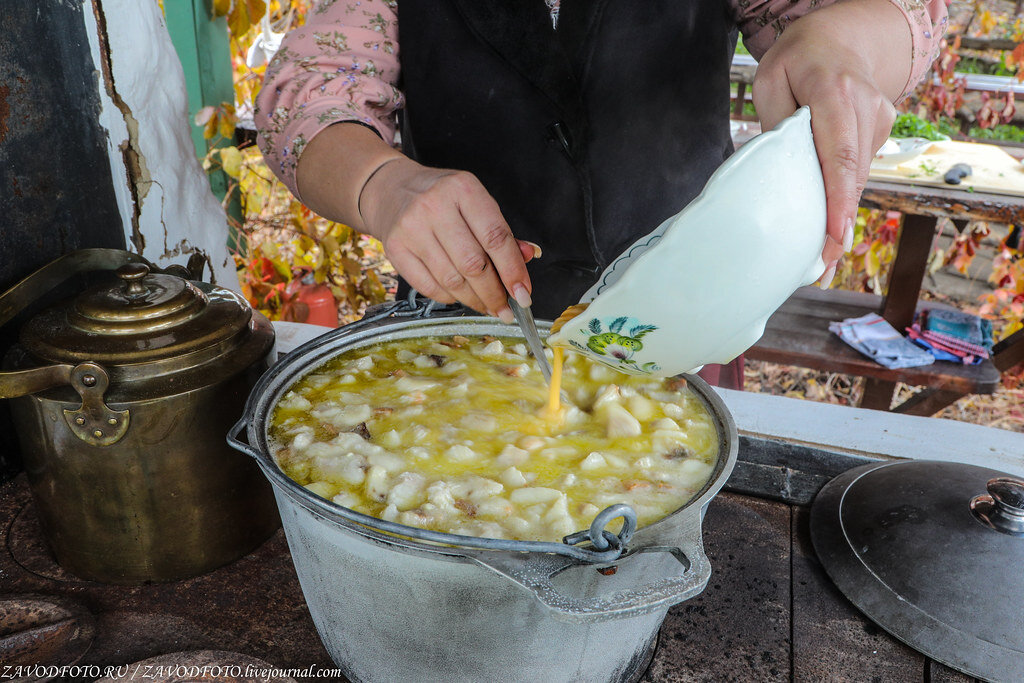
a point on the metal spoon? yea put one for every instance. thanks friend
(526, 322)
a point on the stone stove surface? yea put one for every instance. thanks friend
(768, 614)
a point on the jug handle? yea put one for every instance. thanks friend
(535, 575)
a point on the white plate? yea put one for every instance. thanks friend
(897, 150)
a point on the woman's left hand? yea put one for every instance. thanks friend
(848, 62)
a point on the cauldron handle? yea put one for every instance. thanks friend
(535, 573)
(235, 442)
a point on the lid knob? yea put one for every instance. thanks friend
(1002, 508)
(1008, 494)
(132, 275)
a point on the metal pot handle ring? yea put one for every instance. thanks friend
(535, 575)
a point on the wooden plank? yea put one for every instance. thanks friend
(908, 270)
(927, 402)
(798, 334)
(980, 43)
(832, 640)
(738, 628)
(877, 394)
(1009, 352)
(942, 201)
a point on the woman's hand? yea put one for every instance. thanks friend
(445, 234)
(849, 62)
(441, 229)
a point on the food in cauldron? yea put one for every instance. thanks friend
(454, 434)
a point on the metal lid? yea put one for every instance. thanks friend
(137, 318)
(932, 552)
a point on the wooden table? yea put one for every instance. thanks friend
(798, 333)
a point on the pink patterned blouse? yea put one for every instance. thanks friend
(342, 65)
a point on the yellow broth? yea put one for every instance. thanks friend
(453, 434)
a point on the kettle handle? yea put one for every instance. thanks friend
(535, 575)
(25, 382)
(23, 293)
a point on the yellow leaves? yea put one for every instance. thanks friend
(221, 7)
(282, 242)
(351, 267)
(872, 263)
(936, 260)
(372, 288)
(231, 161)
(330, 243)
(218, 120)
(988, 22)
(241, 14)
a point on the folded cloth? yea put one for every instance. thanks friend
(873, 336)
(950, 324)
(954, 343)
(952, 335)
(942, 351)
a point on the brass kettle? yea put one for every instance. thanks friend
(122, 397)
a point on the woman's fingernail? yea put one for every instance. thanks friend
(537, 251)
(505, 315)
(828, 275)
(848, 236)
(521, 296)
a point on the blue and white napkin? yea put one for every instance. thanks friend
(873, 336)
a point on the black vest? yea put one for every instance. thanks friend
(589, 136)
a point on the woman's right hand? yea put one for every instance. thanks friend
(445, 234)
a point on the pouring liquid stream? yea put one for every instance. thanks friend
(555, 384)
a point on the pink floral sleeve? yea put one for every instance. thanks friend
(762, 21)
(341, 65)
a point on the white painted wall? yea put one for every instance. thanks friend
(177, 213)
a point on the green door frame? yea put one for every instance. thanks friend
(204, 49)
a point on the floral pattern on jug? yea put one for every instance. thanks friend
(617, 345)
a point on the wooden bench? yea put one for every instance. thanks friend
(797, 334)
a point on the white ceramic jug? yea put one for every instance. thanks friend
(700, 288)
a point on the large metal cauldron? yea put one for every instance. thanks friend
(431, 606)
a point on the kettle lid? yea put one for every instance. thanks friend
(931, 552)
(137, 318)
